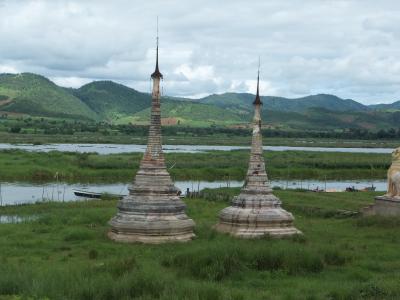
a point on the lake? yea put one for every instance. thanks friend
(123, 148)
(20, 192)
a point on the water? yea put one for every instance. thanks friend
(20, 193)
(123, 148)
(14, 219)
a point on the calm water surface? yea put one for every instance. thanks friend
(123, 148)
(19, 192)
(13, 219)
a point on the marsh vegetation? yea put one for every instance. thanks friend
(65, 254)
(213, 165)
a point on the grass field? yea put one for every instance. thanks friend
(65, 254)
(214, 165)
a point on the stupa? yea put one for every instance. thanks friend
(256, 212)
(153, 211)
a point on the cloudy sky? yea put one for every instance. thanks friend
(347, 48)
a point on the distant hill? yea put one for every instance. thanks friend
(386, 107)
(323, 119)
(244, 102)
(33, 94)
(191, 114)
(111, 100)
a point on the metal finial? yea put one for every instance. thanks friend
(157, 73)
(258, 75)
(257, 101)
(157, 33)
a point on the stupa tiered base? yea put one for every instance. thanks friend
(383, 206)
(151, 229)
(256, 216)
(152, 212)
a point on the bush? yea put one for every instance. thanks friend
(15, 129)
(301, 261)
(212, 263)
(93, 254)
(78, 235)
(266, 260)
(217, 262)
(334, 257)
(118, 268)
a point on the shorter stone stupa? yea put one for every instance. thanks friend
(256, 212)
(388, 204)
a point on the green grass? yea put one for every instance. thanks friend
(65, 254)
(226, 165)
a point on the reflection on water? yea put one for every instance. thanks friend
(19, 192)
(123, 148)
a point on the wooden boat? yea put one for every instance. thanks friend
(94, 195)
(332, 191)
(368, 189)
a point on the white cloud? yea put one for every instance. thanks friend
(348, 48)
(8, 69)
(74, 82)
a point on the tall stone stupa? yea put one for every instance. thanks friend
(153, 211)
(256, 212)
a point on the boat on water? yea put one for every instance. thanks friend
(366, 189)
(95, 195)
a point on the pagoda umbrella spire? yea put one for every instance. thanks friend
(157, 73)
(256, 212)
(153, 211)
(257, 101)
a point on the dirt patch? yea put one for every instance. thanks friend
(12, 114)
(367, 125)
(169, 121)
(347, 119)
(4, 102)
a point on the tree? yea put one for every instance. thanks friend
(15, 129)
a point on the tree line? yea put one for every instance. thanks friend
(68, 127)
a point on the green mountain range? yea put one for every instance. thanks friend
(34, 95)
(244, 100)
(110, 100)
(386, 107)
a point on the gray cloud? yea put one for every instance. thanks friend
(348, 48)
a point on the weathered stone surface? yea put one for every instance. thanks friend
(388, 204)
(393, 176)
(256, 212)
(383, 206)
(153, 211)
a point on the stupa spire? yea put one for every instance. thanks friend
(256, 212)
(157, 73)
(257, 101)
(153, 211)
